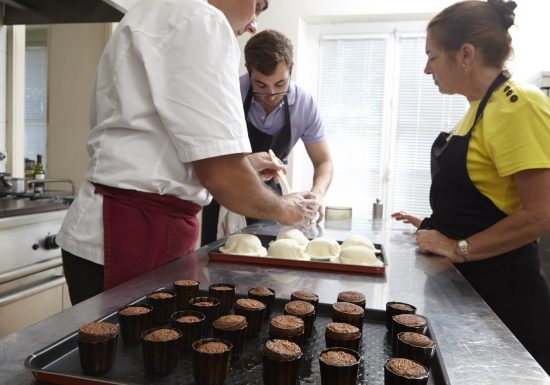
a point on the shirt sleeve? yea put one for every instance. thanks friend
(520, 138)
(193, 75)
(311, 118)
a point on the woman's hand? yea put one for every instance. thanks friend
(433, 242)
(406, 218)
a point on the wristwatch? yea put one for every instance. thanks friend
(463, 249)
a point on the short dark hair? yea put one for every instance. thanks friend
(484, 24)
(265, 50)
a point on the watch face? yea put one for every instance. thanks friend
(463, 246)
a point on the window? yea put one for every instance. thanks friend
(381, 115)
(36, 92)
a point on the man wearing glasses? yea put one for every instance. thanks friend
(278, 113)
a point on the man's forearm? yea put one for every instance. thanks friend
(322, 178)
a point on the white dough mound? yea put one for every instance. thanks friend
(357, 240)
(286, 249)
(244, 244)
(359, 255)
(294, 234)
(320, 248)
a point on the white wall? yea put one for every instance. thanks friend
(75, 50)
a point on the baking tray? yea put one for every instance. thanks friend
(216, 255)
(59, 363)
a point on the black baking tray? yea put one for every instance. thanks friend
(58, 363)
(215, 254)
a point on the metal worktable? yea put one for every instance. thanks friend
(476, 346)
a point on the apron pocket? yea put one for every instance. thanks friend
(179, 241)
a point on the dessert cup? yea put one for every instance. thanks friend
(134, 320)
(281, 362)
(185, 290)
(339, 334)
(402, 371)
(339, 366)
(416, 347)
(233, 329)
(160, 350)
(211, 357)
(407, 323)
(287, 327)
(395, 308)
(225, 292)
(191, 325)
(348, 313)
(97, 346)
(354, 297)
(266, 296)
(303, 310)
(253, 311)
(209, 306)
(164, 304)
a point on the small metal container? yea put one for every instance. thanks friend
(377, 209)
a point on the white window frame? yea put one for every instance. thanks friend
(307, 75)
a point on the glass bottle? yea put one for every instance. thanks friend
(39, 174)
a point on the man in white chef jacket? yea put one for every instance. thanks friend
(168, 130)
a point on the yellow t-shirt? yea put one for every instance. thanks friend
(512, 135)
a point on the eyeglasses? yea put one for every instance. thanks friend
(269, 95)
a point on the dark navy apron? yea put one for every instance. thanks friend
(279, 143)
(512, 283)
(259, 141)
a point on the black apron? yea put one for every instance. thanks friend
(512, 284)
(259, 141)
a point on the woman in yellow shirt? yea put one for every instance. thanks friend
(490, 176)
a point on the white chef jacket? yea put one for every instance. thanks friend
(166, 94)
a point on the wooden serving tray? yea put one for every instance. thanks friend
(216, 255)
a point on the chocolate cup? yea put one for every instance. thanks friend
(348, 344)
(210, 312)
(236, 337)
(298, 339)
(191, 331)
(421, 354)
(211, 368)
(314, 302)
(226, 297)
(349, 319)
(358, 303)
(390, 312)
(281, 372)
(339, 375)
(133, 326)
(267, 300)
(97, 357)
(162, 307)
(254, 318)
(160, 357)
(391, 378)
(397, 328)
(184, 294)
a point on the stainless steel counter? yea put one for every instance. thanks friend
(476, 347)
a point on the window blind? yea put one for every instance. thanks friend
(36, 78)
(351, 94)
(381, 115)
(421, 113)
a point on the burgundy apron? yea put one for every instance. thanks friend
(144, 230)
(512, 284)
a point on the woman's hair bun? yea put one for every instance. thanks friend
(505, 10)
